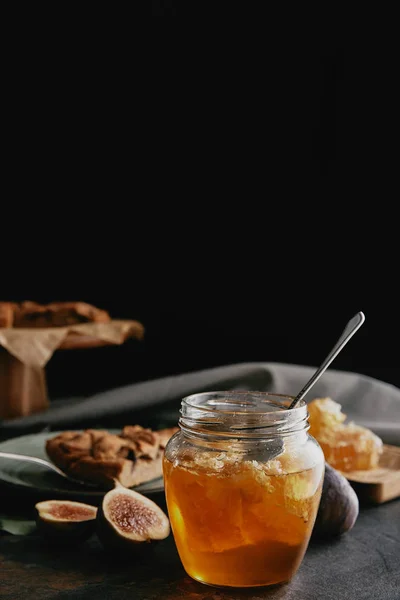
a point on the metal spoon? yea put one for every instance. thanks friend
(273, 448)
(44, 463)
(350, 329)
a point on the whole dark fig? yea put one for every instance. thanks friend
(127, 521)
(65, 521)
(338, 508)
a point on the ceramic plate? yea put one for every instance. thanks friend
(40, 479)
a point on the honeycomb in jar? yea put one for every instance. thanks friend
(346, 446)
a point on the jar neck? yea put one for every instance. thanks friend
(252, 416)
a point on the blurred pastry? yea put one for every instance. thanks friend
(97, 456)
(57, 314)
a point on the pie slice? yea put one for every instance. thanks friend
(57, 314)
(97, 456)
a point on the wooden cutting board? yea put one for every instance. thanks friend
(381, 484)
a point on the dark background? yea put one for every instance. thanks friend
(227, 179)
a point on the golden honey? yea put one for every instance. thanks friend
(239, 519)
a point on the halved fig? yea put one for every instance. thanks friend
(127, 520)
(65, 521)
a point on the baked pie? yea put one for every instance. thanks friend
(132, 457)
(55, 314)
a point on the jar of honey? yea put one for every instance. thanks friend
(243, 481)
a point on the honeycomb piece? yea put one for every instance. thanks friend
(346, 446)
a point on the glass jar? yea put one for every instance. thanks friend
(243, 482)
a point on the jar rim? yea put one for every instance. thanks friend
(242, 413)
(245, 397)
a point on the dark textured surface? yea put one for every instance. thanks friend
(364, 564)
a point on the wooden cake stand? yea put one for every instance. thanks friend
(23, 387)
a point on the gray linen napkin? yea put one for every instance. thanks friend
(367, 401)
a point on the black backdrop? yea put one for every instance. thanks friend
(227, 181)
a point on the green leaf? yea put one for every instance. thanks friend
(17, 525)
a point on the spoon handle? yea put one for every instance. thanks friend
(350, 329)
(44, 463)
(33, 459)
